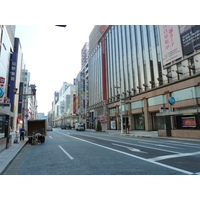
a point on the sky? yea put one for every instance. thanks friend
(52, 55)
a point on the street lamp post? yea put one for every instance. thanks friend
(121, 117)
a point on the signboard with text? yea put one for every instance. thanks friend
(190, 38)
(170, 43)
(12, 77)
(188, 122)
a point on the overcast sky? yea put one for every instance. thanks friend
(52, 55)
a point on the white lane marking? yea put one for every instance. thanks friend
(131, 155)
(197, 173)
(133, 144)
(184, 144)
(130, 148)
(50, 136)
(174, 156)
(161, 145)
(66, 153)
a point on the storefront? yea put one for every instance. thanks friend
(184, 123)
(2, 124)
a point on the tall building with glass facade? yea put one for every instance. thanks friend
(146, 66)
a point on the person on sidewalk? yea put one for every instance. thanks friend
(21, 131)
(128, 129)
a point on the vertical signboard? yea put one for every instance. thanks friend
(190, 38)
(74, 104)
(12, 77)
(170, 42)
(20, 98)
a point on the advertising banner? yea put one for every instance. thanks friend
(170, 43)
(188, 122)
(12, 77)
(74, 104)
(190, 38)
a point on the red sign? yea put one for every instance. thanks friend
(103, 28)
(188, 122)
(2, 81)
(74, 104)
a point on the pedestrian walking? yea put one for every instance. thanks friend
(21, 131)
(128, 129)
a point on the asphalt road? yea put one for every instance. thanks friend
(70, 152)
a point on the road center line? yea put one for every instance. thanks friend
(66, 153)
(131, 155)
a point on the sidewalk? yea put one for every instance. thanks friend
(146, 134)
(9, 154)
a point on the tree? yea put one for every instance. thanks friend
(99, 128)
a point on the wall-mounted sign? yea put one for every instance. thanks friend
(170, 43)
(103, 28)
(188, 122)
(172, 100)
(190, 38)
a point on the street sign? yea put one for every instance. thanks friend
(1, 92)
(164, 109)
(26, 116)
(4, 104)
(172, 100)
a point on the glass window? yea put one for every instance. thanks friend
(158, 122)
(191, 66)
(179, 71)
(139, 122)
(169, 75)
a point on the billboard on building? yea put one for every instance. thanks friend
(190, 38)
(12, 77)
(170, 43)
(74, 104)
(188, 122)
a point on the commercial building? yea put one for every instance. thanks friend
(64, 106)
(153, 71)
(6, 51)
(82, 86)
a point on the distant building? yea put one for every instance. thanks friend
(63, 107)
(41, 116)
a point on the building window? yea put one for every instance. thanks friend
(139, 122)
(169, 75)
(191, 66)
(179, 71)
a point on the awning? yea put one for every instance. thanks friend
(179, 112)
(5, 110)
